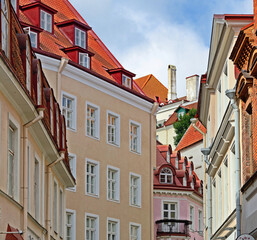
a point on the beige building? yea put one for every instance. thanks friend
(34, 165)
(217, 115)
(111, 127)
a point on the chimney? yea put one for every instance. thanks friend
(172, 93)
(192, 84)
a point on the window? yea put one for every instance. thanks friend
(126, 81)
(14, 5)
(92, 178)
(192, 217)
(92, 120)
(92, 227)
(72, 163)
(166, 176)
(39, 86)
(169, 211)
(113, 183)
(113, 128)
(13, 159)
(84, 60)
(176, 162)
(192, 183)
(5, 27)
(200, 223)
(185, 180)
(36, 188)
(113, 229)
(70, 225)
(46, 21)
(135, 190)
(69, 110)
(134, 231)
(135, 137)
(33, 39)
(61, 213)
(80, 38)
(55, 206)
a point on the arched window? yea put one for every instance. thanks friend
(5, 26)
(166, 176)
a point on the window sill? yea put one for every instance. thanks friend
(136, 206)
(114, 145)
(137, 153)
(71, 129)
(115, 201)
(71, 189)
(92, 195)
(92, 137)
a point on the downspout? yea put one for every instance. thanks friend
(25, 169)
(205, 151)
(232, 96)
(63, 63)
(153, 112)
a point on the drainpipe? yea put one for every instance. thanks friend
(25, 169)
(153, 113)
(206, 152)
(63, 64)
(232, 96)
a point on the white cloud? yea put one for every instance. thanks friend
(163, 44)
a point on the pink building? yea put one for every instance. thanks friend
(178, 199)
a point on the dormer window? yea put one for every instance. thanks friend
(46, 21)
(192, 184)
(5, 28)
(166, 176)
(28, 66)
(80, 38)
(84, 60)
(126, 81)
(32, 35)
(185, 180)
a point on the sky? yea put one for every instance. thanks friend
(148, 35)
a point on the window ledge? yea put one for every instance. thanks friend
(95, 138)
(92, 195)
(113, 144)
(115, 201)
(137, 153)
(136, 206)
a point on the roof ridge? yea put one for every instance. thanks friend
(148, 78)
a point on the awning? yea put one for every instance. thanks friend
(13, 234)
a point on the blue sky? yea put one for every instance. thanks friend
(148, 35)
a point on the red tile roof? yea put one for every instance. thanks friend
(152, 87)
(172, 119)
(102, 60)
(191, 136)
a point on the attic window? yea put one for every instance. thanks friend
(80, 38)
(46, 21)
(84, 60)
(166, 176)
(126, 81)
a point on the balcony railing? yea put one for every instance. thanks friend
(173, 227)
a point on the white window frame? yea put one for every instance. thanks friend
(73, 98)
(192, 226)
(96, 217)
(79, 41)
(85, 62)
(117, 183)
(117, 128)
(200, 221)
(33, 43)
(176, 207)
(73, 169)
(44, 24)
(97, 178)
(132, 224)
(126, 81)
(29, 175)
(138, 125)
(37, 208)
(73, 224)
(55, 206)
(5, 19)
(138, 204)
(117, 222)
(16, 179)
(61, 211)
(165, 174)
(97, 120)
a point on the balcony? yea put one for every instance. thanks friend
(173, 227)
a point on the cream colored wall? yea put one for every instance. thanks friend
(166, 135)
(11, 210)
(119, 157)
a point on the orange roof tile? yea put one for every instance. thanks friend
(191, 136)
(172, 119)
(152, 87)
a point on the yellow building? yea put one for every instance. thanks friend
(111, 125)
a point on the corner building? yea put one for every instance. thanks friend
(34, 165)
(110, 122)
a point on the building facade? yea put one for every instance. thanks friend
(178, 199)
(34, 162)
(221, 141)
(110, 125)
